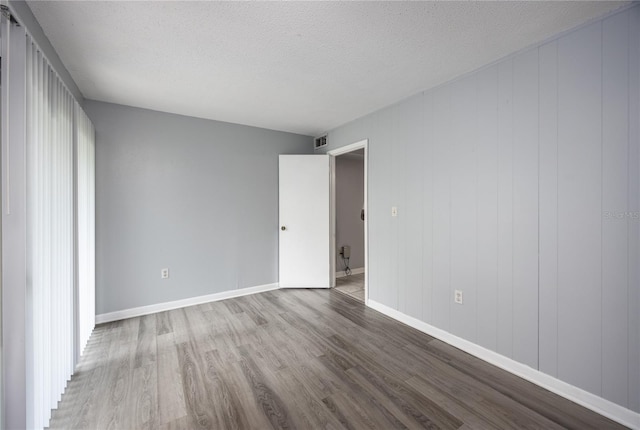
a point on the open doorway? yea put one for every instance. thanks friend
(348, 198)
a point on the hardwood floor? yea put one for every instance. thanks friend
(304, 359)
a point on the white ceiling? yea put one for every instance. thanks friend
(304, 67)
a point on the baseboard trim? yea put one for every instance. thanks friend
(167, 306)
(588, 400)
(355, 271)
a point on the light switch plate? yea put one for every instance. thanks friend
(394, 211)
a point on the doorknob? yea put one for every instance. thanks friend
(283, 228)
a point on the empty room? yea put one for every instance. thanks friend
(320, 214)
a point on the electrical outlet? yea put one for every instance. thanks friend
(164, 273)
(457, 296)
(394, 211)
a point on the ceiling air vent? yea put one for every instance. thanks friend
(320, 142)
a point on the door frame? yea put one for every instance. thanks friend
(361, 144)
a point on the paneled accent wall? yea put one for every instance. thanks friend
(518, 184)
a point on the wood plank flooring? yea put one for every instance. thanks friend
(295, 359)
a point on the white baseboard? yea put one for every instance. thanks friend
(356, 271)
(167, 306)
(588, 400)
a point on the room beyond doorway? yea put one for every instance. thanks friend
(349, 220)
(352, 286)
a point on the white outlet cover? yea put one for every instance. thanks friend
(457, 296)
(164, 273)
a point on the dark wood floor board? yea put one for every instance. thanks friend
(350, 414)
(378, 348)
(375, 322)
(292, 348)
(304, 403)
(448, 401)
(333, 322)
(268, 399)
(313, 375)
(369, 356)
(557, 409)
(369, 398)
(470, 411)
(303, 359)
(291, 394)
(247, 406)
(298, 336)
(381, 404)
(309, 334)
(423, 411)
(224, 398)
(486, 401)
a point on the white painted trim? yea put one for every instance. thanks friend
(167, 306)
(356, 271)
(588, 400)
(361, 144)
(349, 148)
(332, 221)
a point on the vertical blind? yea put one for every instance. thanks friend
(85, 183)
(60, 235)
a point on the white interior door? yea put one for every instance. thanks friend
(304, 221)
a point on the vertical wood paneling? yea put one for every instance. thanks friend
(375, 201)
(505, 209)
(525, 208)
(548, 210)
(382, 147)
(633, 294)
(579, 208)
(462, 141)
(399, 193)
(398, 224)
(441, 210)
(615, 129)
(427, 201)
(412, 219)
(528, 166)
(487, 203)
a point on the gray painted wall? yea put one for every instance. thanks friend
(519, 184)
(349, 199)
(197, 196)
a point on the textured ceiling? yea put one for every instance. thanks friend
(303, 67)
